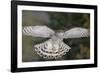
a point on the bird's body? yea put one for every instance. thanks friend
(54, 47)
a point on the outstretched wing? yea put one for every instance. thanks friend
(38, 31)
(76, 33)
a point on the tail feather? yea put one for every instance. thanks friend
(44, 50)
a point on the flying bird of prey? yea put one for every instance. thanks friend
(54, 47)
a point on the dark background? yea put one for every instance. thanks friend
(80, 47)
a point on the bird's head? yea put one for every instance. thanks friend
(60, 33)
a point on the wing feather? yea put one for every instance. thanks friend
(76, 33)
(38, 31)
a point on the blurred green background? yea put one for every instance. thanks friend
(80, 47)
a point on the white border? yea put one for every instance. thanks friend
(53, 63)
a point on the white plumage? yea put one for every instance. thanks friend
(54, 47)
(38, 31)
(76, 33)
